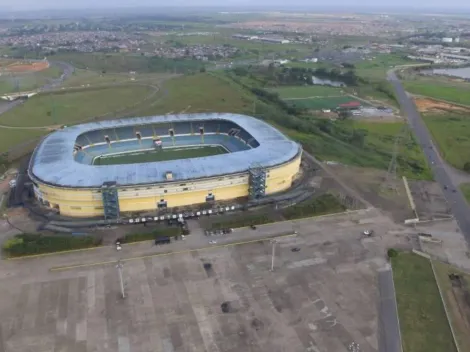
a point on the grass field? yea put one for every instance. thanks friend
(321, 103)
(65, 108)
(452, 134)
(163, 155)
(465, 188)
(307, 91)
(199, 93)
(457, 93)
(28, 81)
(376, 68)
(423, 321)
(456, 303)
(74, 106)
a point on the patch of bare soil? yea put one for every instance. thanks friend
(430, 105)
(369, 183)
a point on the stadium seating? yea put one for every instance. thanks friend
(125, 133)
(185, 127)
(215, 133)
(146, 131)
(95, 137)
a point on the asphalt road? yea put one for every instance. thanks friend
(389, 328)
(454, 197)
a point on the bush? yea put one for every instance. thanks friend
(324, 204)
(150, 236)
(392, 253)
(243, 221)
(31, 244)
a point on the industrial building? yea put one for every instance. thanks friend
(258, 160)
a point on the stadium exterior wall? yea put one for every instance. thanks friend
(83, 202)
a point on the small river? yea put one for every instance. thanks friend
(327, 82)
(454, 72)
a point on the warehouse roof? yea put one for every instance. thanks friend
(53, 162)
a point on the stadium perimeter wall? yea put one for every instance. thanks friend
(76, 202)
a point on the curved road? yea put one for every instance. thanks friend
(454, 197)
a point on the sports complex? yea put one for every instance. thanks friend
(140, 164)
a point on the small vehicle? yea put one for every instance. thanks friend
(445, 187)
(253, 227)
(295, 249)
(213, 242)
(368, 233)
(162, 240)
(454, 190)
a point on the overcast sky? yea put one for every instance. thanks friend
(82, 4)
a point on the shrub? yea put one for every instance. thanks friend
(392, 253)
(150, 236)
(31, 244)
(242, 221)
(324, 204)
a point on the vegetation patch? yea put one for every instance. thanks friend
(159, 155)
(307, 91)
(423, 322)
(465, 188)
(452, 134)
(322, 102)
(438, 90)
(150, 236)
(244, 220)
(32, 244)
(321, 205)
(455, 287)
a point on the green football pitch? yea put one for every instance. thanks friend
(161, 155)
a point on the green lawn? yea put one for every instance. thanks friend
(465, 188)
(163, 155)
(28, 81)
(199, 93)
(458, 317)
(321, 103)
(307, 91)
(10, 138)
(452, 134)
(65, 108)
(423, 322)
(73, 106)
(459, 94)
(376, 68)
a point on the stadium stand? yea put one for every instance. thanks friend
(125, 133)
(146, 131)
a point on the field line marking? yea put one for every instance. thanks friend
(155, 255)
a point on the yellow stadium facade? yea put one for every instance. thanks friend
(88, 202)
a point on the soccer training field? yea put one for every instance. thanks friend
(135, 157)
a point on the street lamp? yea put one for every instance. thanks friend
(273, 242)
(119, 267)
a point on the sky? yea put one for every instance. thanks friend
(6, 5)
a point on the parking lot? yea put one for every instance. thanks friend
(321, 296)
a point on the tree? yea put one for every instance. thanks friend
(202, 69)
(466, 166)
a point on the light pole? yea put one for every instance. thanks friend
(119, 267)
(273, 242)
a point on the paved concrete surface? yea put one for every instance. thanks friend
(321, 298)
(389, 331)
(454, 197)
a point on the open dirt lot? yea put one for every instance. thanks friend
(19, 66)
(321, 298)
(430, 105)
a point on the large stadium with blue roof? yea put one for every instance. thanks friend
(140, 164)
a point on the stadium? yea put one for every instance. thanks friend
(152, 163)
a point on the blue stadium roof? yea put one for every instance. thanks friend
(53, 161)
